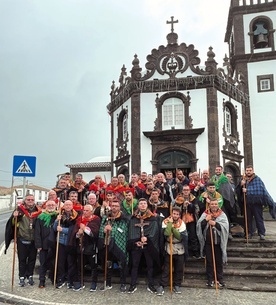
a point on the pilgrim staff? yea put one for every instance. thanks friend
(81, 259)
(171, 257)
(106, 242)
(57, 246)
(14, 250)
(214, 258)
(245, 211)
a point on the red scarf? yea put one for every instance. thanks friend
(84, 220)
(214, 214)
(33, 214)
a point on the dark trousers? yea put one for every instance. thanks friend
(46, 259)
(178, 267)
(87, 260)
(66, 257)
(136, 258)
(26, 258)
(210, 265)
(256, 211)
(192, 238)
(122, 268)
(230, 211)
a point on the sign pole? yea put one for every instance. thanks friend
(24, 187)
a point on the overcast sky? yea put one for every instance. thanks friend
(58, 59)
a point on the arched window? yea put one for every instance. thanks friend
(122, 139)
(173, 114)
(227, 119)
(124, 127)
(230, 120)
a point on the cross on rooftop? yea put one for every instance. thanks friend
(172, 22)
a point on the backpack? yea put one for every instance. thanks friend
(236, 230)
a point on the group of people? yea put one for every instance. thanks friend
(151, 221)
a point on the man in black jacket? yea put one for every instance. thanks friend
(43, 228)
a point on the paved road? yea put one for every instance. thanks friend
(4, 216)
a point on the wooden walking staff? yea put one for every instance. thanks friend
(81, 259)
(106, 242)
(171, 256)
(14, 250)
(57, 246)
(214, 258)
(245, 211)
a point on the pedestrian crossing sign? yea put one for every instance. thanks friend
(24, 166)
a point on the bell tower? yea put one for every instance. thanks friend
(250, 35)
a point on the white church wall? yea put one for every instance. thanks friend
(148, 115)
(263, 109)
(198, 112)
(246, 22)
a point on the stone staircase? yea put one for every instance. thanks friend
(250, 266)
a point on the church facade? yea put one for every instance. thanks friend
(177, 113)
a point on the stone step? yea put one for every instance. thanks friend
(234, 284)
(231, 274)
(251, 252)
(255, 242)
(249, 263)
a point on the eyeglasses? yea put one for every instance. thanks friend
(29, 199)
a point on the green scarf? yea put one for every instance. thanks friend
(47, 216)
(222, 179)
(129, 208)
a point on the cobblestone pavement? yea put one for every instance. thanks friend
(50, 295)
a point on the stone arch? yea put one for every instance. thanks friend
(232, 168)
(265, 39)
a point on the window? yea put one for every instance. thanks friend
(265, 83)
(125, 127)
(227, 114)
(230, 120)
(173, 114)
(40, 195)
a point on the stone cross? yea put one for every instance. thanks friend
(171, 23)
